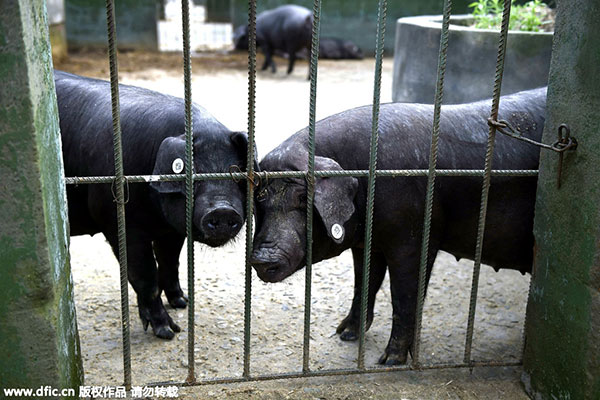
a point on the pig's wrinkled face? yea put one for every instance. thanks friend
(280, 240)
(219, 211)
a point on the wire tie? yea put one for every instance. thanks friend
(126, 194)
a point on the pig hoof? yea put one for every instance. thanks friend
(178, 302)
(392, 358)
(346, 323)
(348, 329)
(167, 332)
(349, 335)
(164, 332)
(163, 329)
(176, 298)
(145, 323)
(174, 326)
(342, 326)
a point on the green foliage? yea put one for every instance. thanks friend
(531, 16)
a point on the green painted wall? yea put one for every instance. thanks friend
(39, 342)
(355, 20)
(136, 24)
(562, 355)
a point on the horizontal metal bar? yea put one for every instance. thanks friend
(338, 372)
(299, 174)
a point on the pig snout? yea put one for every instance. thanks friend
(270, 263)
(220, 224)
(265, 264)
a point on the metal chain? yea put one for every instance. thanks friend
(561, 145)
(380, 42)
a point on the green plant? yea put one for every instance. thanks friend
(531, 16)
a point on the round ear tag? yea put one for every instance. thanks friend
(177, 165)
(337, 231)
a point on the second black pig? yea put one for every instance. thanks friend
(339, 49)
(285, 29)
(153, 143)
(342, 143)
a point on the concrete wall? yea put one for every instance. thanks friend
(39, 344)
(136, 24)
(471, 61)
(562, 354)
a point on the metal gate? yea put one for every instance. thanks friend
(254, 177)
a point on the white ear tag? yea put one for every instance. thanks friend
(337, 231)
(177, 165)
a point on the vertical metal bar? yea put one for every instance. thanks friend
(487, 179)
(380, 42)
(119, 183)
(189, 184)
(250, 187)
(439, 95)
(310, 179)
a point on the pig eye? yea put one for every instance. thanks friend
(301, 199)
(261, 195)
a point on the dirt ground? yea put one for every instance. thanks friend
(220, 85)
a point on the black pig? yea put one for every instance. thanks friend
(285, 29)
(338, 49)
(343, 144)
(152, 138)
(240, 38)
(333, 49)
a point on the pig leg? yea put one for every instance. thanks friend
(404, 275)
(268, 58)
(167, 252)
(292, 60)
(349, 327)
(143, 276)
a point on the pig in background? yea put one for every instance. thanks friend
(285, 29)
(342, 143)
(153, 143)
(330, 48)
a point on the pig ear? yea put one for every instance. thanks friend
(334, 198)
(169, 160)
(240, 142)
